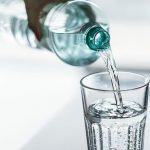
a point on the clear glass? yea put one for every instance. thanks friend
(107, 128)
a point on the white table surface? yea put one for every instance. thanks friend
(40, 100)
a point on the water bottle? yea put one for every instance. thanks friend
(76, 31)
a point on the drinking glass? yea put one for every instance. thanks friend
(107, 127)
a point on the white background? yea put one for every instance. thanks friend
(40, 101)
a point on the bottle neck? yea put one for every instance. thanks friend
(96, 37)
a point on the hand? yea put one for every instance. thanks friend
(33, 8)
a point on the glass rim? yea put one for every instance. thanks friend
(146, 83)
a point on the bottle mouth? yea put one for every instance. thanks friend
(97, 38)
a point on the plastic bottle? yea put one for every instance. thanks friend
(76, 31)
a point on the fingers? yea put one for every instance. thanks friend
(33, 9)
